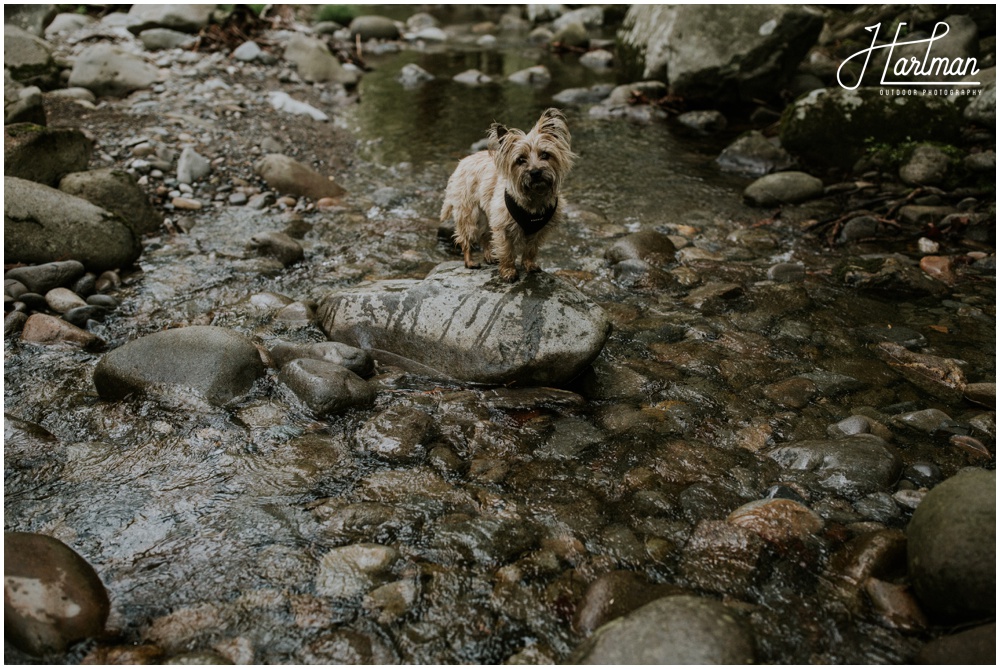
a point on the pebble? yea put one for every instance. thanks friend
(62, 300)
(783, 188)
(703, 121)
(786, 273)
(107, 281)
(79, 316)
(238, 199)
(45, 329)
(186, 203)
(52, 596)
(192, 166)
(849, 426)
(777, 521)
(13, 288)
(247, 52)
(105, 301)
(13, 322)
(598, 59)
(472, 78)
(43, 278)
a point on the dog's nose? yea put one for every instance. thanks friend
(535, 174)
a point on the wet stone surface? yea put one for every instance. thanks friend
(725, 459)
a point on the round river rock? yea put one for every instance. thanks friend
(217, 362)
(469, 325)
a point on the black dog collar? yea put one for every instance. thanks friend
(529, 223)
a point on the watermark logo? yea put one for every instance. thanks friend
(897, 70)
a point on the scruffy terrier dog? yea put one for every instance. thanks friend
(507, 197)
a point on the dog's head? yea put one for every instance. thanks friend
(534, 164)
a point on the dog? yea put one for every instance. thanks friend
(506, 198)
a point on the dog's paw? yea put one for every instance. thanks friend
(508, 275)
(472, 265)
(490, 259)
(532, 267)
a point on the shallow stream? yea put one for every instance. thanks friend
(209, 526)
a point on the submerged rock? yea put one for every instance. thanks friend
(850, 467)
(471, 326)
(752, 154)
(951, 548)
(52, 596)
(219, 363)
(326, 387)
(358, 361)
(671, 630)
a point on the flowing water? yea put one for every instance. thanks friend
(209, 526)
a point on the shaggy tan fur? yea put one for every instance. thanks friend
(531, 168)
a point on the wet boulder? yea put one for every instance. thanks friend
(671, 630)
(752, 154)
(649, 245)
(470, 325)
(287, 175)
(314, 62)
(110, 71)
(42, 154)
(851, 467)
(831, 126)
(116, 191)
(927, 166)
(216, 362)
(720, 52)
(325, 387)
(52, 597)
(42, 224)
(783, 188)
(951, 548)
(277, 245)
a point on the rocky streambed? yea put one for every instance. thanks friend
(255, 411)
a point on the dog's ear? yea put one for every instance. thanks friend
(497, 132)
(552, 122)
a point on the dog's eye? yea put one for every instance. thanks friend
(544, 155)
(521, 160)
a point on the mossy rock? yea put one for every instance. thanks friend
(832, 126)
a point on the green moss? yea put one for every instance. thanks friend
(342, 14)
(21, 129)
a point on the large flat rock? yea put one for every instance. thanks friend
(468, 325)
